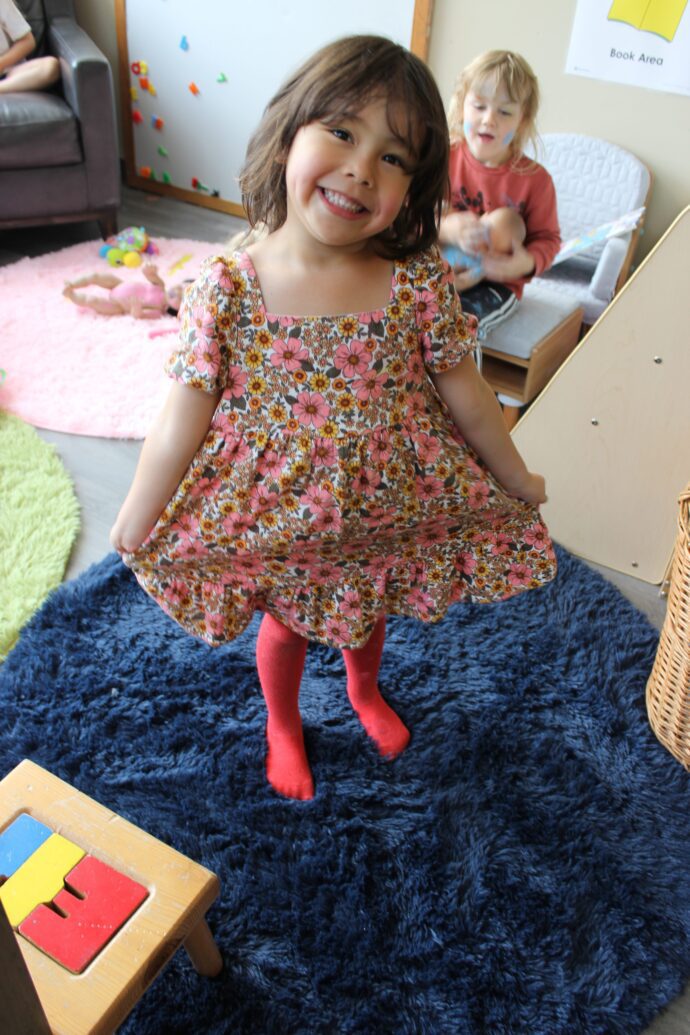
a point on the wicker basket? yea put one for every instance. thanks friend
(668, 687)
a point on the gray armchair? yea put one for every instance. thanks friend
(59, 159)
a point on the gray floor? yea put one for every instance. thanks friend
(102, 468)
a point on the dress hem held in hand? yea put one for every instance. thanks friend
(332, 486)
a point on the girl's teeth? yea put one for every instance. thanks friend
(341, 202)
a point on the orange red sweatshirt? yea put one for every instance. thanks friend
(523, 185)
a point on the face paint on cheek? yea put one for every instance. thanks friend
(508, 137)
(467, 127)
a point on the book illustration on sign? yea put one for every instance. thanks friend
(662, 17)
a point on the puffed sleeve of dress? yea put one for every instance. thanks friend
(208, 328)
(446, 334)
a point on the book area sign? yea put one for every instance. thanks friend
(636, 42)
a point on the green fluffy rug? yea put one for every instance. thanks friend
(39, 521)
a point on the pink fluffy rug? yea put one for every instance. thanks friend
(69, 369)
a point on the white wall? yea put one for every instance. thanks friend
(97, 18)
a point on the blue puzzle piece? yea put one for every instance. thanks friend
(20, 840)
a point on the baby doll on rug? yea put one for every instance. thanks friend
(146, 300)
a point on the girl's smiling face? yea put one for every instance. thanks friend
(347, 176)
(490, 121)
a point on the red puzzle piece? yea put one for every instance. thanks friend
(102, 900)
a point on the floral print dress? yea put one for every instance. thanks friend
(332, 486)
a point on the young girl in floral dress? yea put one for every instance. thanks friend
(328, 453)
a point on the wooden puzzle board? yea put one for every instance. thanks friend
(611, 430)
(180, 891)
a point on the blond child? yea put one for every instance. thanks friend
(318, 456)
(502, 216)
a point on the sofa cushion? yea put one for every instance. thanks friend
(537, 315)
(592, 291)
(37, 129)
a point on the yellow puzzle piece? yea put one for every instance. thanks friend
(40, 878)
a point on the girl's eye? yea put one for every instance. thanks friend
(340, 134)
(394, 160)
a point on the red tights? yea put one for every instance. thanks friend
(280, 656)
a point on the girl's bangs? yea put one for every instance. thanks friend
(334, 100)
(489, 83)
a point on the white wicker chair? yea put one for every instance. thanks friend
(595, 182)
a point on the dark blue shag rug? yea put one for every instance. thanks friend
(523, 869)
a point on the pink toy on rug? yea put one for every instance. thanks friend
(69, 369)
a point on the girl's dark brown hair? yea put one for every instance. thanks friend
(340, 76)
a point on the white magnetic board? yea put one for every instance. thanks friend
(196, 77)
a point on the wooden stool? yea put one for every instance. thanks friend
(176, 895)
